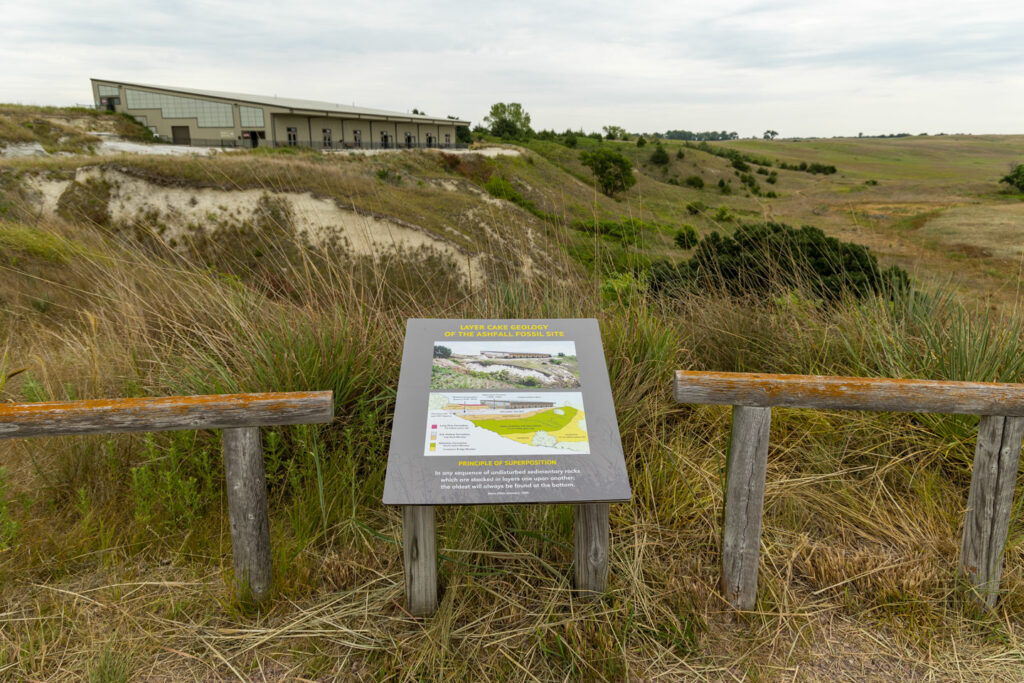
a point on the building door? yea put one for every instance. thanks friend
(409, 140)
(180, 135)
(384, 139)
(328, 138)
(293, 136)
(253, 137)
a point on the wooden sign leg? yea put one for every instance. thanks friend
(989, 504)
(420, 555)
(590, 551)
(247, 509)
(744, 504)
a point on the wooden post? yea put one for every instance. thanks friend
(989, 505)
(744, 504)
(420, 555)
(590, 550)
(247, 510)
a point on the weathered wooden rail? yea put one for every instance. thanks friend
(996, 457)
(239, 416)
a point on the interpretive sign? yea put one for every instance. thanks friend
(504, 411)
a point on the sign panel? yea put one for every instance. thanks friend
(504, 411)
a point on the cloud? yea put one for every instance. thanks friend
(803, 68)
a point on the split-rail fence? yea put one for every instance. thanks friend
(996, 456)
(240, 416)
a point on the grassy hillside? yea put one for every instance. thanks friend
(64, 130)
(115, 558)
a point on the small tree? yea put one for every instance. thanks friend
(614, 132)
(509, 121)
(771, 134)
(659, 157)
(641, 141)
(1015, 178)
(442, 351)
(612, 171)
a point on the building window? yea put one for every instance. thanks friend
(447, 139)
(206, 113)
(293, 136)
(250, 117)
(327, 138)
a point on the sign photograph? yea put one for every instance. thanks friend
(504, 411)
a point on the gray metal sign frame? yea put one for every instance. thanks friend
(509, 473)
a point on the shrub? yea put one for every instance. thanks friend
(695, 181)
(570, 140)
(641, 141)
(694, 208)
(686, 237)
(1015, 178)
(612, 171)
(759, 256)
(679, 153)
(724, 187)
(624, 231)
(625, 287)
(659, 157)
(814, 168)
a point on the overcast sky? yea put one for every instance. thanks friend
(801, 67)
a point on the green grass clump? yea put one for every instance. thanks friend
(44, 244)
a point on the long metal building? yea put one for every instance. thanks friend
(188, 116)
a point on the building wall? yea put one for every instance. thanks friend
(447, 130)
(350, 126)
(332, 124)
(281, 124)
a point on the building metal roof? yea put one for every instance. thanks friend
(310, 106)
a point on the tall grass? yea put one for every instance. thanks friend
(120, 544)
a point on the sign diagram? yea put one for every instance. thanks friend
(519, 423)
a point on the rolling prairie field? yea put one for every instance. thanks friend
(153, 275)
